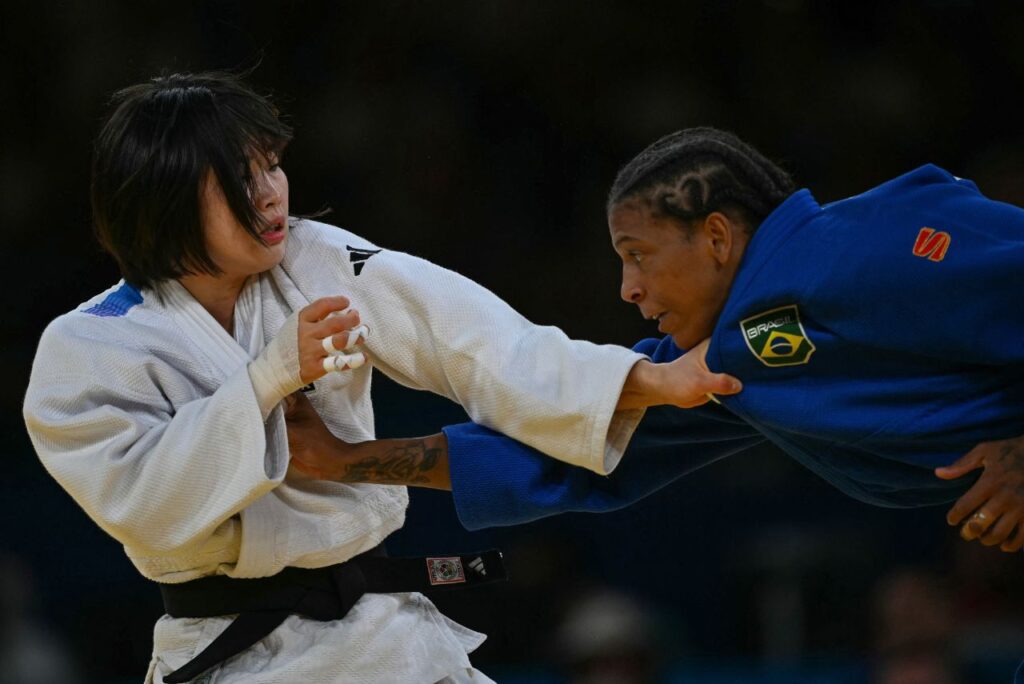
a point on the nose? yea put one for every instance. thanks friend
(268, 191)
(630, 291)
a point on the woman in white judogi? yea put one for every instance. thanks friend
(157, 404)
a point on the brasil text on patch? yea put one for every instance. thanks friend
(777, 337)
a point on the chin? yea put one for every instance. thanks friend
(277, 251)
(681, 341)
(687, 340)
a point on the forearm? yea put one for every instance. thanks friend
(417, 462)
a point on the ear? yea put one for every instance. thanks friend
(720, 235)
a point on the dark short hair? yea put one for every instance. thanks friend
(152, 156)
(696, 171)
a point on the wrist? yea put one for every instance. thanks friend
(642, 387)
(275, 373)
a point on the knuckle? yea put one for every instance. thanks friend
(337, 324)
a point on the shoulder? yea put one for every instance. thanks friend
(316, 248)
(921, 185)
(107, 309)
(117, 316)
(931, 178)
(119, 344)
(311, 235)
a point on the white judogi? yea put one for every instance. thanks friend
(145, 413)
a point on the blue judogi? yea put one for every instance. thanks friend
(891, 342)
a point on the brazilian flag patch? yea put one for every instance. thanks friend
(777, 338)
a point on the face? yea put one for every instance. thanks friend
(679, 278)
(229, 245)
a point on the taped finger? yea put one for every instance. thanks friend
(341, 362)
(328, 344)
(355, 360)
(329, 364)
(355, 335)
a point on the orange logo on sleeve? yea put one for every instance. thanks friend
(932, 244)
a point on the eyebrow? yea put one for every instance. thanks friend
(624, 238)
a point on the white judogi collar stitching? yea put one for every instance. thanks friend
(249, 318)
(284, 284)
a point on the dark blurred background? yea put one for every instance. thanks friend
(483, 135)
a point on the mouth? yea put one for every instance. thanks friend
(659, 317)
(275, 230)
(656, 316)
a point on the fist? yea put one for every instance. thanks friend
(329, 336)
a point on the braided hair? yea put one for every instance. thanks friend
(693, 172)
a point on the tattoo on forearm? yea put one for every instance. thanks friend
(405, 463)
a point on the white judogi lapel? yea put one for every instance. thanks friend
(223, 350)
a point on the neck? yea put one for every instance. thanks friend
(216, 294)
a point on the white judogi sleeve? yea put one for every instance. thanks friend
(433, 329)
(155, 478)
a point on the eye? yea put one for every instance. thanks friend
(637, 257)
(273, 161)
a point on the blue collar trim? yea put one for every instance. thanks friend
(117, 303)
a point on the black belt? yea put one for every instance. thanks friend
(319, 594)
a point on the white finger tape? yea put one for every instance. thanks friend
(354, 334)
(328, 345)
(340, 362)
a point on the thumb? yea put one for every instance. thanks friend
(720, 383)
(963, 465)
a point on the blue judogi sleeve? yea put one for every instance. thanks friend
(498, 481)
